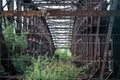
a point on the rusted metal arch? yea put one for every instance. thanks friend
(56, 12)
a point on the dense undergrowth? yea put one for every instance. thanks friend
(57, 67)
(46, 68)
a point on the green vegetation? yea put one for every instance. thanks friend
(14, 44)
(63, 54)
(21, 61)
(50, 69)
(13, 41)
(2, 70)
(45, 68)
(57, 67)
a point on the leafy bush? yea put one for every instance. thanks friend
(14, 45)
(37, 69)
(13, 41)
(44, 68)
(63, 54)
(21, 61)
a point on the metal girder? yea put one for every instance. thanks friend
(53, 0)
(50, 4)
(60, 28)
(62, 47)
(55, 12)
(70, 33)
(58, 20)
(60, 17)
(62, 39)
(108, 37)
(62, 31)
(20, 13)
(0, 5)
(62, 43)
(62, 24)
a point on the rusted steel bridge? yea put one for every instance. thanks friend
(83, 26)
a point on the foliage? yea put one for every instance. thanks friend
(63, 70)
(45, 68)
(21, 61)
(14, 43)
(2, 70)
(63, 54)
(12, 40)
(9, 35)
(37, 69)
(41, 67)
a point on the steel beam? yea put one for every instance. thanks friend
(62, 23)
(0, 5)
(49, 4)
(60, 28)
(55, 12)
(110, 28)
(57, 17)
(62, 39)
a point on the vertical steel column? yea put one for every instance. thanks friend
(91, 39)
(10, 6)
(87, 59)
(0, 21)
(25, 25)
(113, 7)
(0, 31)
(19, 21)
(0, 5)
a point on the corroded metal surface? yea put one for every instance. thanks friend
(60, 13)
(89, 19)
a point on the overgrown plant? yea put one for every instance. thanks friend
(63, 54)
(37, 70)
(41, 67)
(14, 44)
(13, 41)
(44, 68)
(21, 61)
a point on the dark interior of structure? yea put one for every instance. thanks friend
(59, 39)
